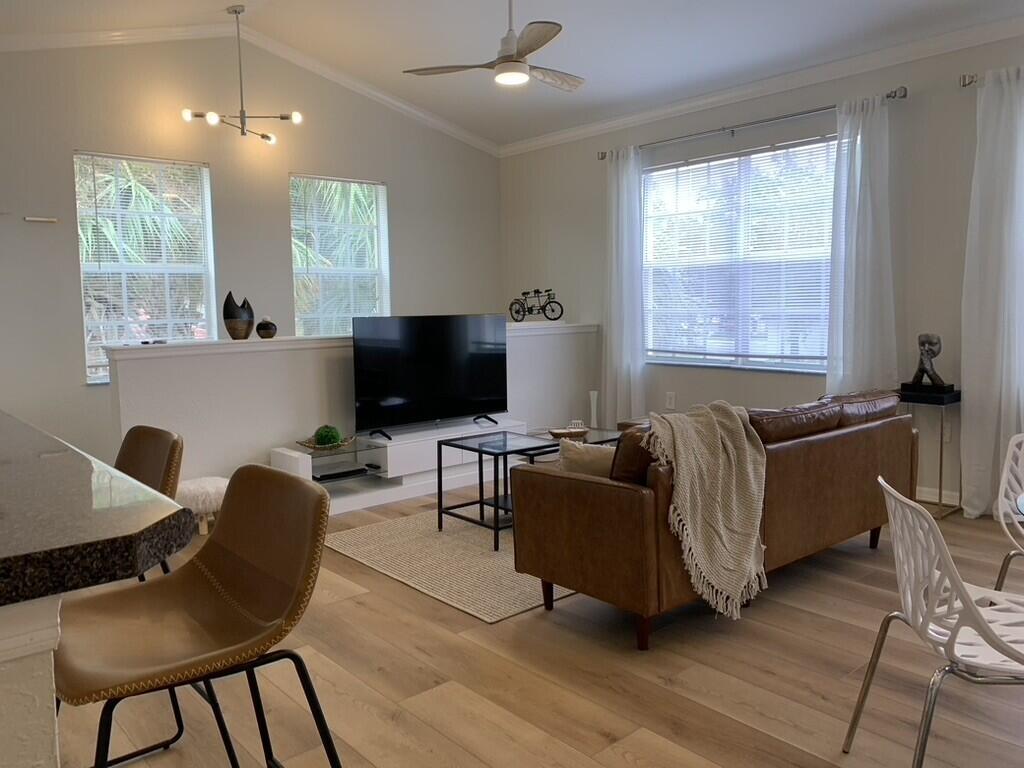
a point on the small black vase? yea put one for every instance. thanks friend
(266, 328)
(238, 320)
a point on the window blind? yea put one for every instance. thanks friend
(339, 253)
(736, 258)
(145, 253)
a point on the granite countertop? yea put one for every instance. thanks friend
(69, 521)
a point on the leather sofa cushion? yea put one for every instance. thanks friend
(861, 407)
(631, 459)
(776, 425)
(586, 459)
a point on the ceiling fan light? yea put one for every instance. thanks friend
(512, 73)
(212, 118)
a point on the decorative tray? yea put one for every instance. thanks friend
(311, 444)
(569, 433)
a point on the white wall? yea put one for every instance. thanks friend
(554, 230)
(443, 198)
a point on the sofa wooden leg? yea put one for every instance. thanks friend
(549, 594)
(643, 632)
(873, 540)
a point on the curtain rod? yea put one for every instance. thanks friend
(899, 92)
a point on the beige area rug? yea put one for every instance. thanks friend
(457, 566)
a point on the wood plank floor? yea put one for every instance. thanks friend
(408, 681)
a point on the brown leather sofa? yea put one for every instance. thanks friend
(610, 538)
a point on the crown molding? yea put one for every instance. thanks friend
(822, 73)
(365, 89)
(12, 43)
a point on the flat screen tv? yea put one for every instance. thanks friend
(410, 370)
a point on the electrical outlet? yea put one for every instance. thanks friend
(670, 401)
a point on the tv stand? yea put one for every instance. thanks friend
(411, 451)
(384, 434)
(485, 417)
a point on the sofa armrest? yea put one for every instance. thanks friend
(589, 534)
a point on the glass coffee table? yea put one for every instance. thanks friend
(498, 446)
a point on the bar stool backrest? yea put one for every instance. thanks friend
(153, 457)
(263, 555)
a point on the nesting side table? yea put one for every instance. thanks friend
(943, 401)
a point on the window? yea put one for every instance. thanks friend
(146, 253)
(736, 258)
(339, 253)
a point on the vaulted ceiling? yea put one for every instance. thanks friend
(635, 55)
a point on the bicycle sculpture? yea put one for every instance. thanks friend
(536, 302)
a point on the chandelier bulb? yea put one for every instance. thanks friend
(296, 117)
(186, 115)
(270, 138)
(212, 118)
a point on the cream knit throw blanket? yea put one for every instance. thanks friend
(717, 496)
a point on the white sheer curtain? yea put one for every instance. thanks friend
(622, 386)
(862, 315)
(992, 338)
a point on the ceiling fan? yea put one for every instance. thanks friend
(510, 66)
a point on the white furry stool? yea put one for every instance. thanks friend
(203, 496)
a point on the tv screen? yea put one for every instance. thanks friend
(417, 369)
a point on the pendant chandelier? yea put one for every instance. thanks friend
(213, 118)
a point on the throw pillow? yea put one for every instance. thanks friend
(586, 459)
(631, 458)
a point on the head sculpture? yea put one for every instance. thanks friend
(930, 346)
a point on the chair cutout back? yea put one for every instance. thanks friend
(1011, 486)
(153, 457)
(935, 601)
(264, 553)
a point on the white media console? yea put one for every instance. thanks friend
(405, 465)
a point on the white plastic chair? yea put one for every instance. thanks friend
(1011, 486)
(978, 632)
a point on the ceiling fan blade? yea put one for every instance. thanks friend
(445, 70)
(535, 36)
(561, 80)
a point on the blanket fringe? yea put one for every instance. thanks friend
(721, 601)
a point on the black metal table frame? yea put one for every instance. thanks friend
(500, 502)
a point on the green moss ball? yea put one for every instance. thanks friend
(327, 435)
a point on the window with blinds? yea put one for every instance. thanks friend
(146, 253)
(736, 258)
(339, 253)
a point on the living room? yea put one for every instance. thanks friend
(368, 300)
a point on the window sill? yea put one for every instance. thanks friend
(737, 368)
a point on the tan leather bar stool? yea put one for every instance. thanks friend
(219, 614)
(153, 457)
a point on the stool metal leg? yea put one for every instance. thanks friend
(261, 719)
(930, 700)
(1004, 569)
(314, 707)
(103, 734)
(869, 675)
(222, 726)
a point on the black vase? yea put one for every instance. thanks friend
(238, 320)
(266, 328)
